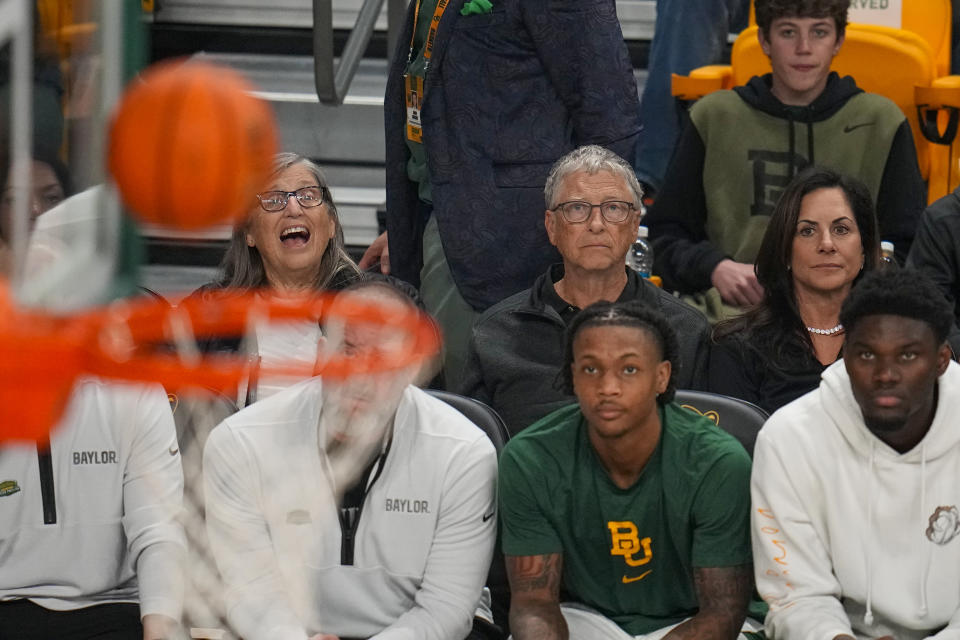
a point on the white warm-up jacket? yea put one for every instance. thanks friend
(849, 536)
(99, 524)
(425, 536)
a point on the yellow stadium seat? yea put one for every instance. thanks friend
(930, 19)
(909, 65)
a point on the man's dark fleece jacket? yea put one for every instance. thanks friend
(516, 349)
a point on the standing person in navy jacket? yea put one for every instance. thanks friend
(481, 99)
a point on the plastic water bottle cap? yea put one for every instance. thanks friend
(643, 232)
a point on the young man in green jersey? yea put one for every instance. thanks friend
(636, 509)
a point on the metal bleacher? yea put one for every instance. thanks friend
(270, 43)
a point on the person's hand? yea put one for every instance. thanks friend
(158, 627)
(737, 283)
(378, 251)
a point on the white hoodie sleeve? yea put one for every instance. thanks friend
(257, 604)
(793, 568)
(152, 499)
(460, 553)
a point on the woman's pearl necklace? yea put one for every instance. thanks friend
(826, 332)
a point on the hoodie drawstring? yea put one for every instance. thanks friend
(790, 148)
(923, 501)
(924, 573)
(791, 152)
(868, 616)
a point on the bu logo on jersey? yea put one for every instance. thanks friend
(626, 542)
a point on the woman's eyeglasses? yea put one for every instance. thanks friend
(277, 200)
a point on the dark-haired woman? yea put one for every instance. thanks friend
(821, 238)
(49, 186)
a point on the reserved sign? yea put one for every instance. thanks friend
(886, 13)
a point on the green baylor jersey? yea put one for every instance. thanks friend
(629, 553)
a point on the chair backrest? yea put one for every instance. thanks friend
(931, 20)
(479, 414)
(739, 418)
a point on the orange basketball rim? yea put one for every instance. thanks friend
(42, 355)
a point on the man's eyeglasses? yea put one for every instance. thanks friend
(576, 211)
(306, 196)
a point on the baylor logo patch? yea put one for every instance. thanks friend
(8, 488)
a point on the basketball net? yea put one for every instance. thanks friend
(370, 351)
(349, 434)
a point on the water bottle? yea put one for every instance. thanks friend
(887, 259)
(640, 255)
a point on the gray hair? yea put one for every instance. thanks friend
(242, 267)
(591, 159)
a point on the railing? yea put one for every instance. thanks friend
(15, 27)
(332, 79)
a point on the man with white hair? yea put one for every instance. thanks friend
(516, 350)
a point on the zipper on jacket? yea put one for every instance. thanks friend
(349, 519)
(351, 507)
(46, 484)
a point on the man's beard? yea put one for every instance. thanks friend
(884, 425)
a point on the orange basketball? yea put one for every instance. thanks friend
(190, 146)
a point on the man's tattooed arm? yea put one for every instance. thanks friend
(723, 594)
(535, 597)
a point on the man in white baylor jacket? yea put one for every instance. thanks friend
(398, 552)
(88, 527)
(856, 485)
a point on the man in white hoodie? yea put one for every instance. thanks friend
(856, 485)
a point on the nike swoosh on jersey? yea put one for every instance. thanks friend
(854, 127)
(488, 516)
(643, 575)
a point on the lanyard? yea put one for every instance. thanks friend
(431, 34)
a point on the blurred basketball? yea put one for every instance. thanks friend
(190, 146)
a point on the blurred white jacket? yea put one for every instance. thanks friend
(425, 535)
(117, 485)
